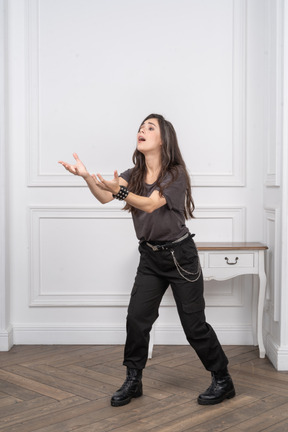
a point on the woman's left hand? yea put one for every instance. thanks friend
(108, 185)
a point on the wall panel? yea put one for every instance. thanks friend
(77, 101)
(274, 101)
(88, 257)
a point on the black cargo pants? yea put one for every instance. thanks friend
(156, 271)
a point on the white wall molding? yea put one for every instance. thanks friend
(272, 218)
(82, 298)
(235, 175)
(274, 13)
(236, 215)
(238, 175)
(225, 295)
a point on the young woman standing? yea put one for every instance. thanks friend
(157, 192)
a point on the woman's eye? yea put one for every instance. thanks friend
(151, 128)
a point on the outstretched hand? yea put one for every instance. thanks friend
(108, 185)
(77, 169)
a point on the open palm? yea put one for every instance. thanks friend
(77, 169)
(108, 185)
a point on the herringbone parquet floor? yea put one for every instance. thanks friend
(68, 388)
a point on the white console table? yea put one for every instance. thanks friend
(221, 261)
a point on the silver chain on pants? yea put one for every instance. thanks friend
(181, 269)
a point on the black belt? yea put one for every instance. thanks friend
(167, 246)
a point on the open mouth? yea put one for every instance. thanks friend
(141, 139)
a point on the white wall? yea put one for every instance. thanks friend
(276, 181)
(82, 76)
(5, 327)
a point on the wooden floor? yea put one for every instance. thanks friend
(68, 388)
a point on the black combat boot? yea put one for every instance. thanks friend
(221, 388)
(131, 388)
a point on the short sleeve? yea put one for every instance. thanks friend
(126, 174)
(175, 192)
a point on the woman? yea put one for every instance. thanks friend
(157, 192)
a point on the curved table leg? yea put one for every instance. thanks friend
(151, 342)
(255, 297)
(261, 300)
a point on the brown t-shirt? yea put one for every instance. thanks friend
(168, 222)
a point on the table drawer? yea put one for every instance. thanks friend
(231, 260)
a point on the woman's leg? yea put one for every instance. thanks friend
(146, 296)
(145, 299)
(188, 294)
(199, 333)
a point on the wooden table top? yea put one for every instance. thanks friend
(218, 246)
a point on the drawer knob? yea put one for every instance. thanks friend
(231, 263)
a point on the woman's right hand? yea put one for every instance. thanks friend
(77, 169)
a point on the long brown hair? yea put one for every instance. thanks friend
(171, 161)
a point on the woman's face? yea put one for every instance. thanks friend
(149, 137)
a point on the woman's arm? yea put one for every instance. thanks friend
(104, 196)
(147, 204)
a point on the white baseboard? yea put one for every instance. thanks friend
(114, 335)
(277, 355)
(227, 335)
(68, 334)
(6, 339)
